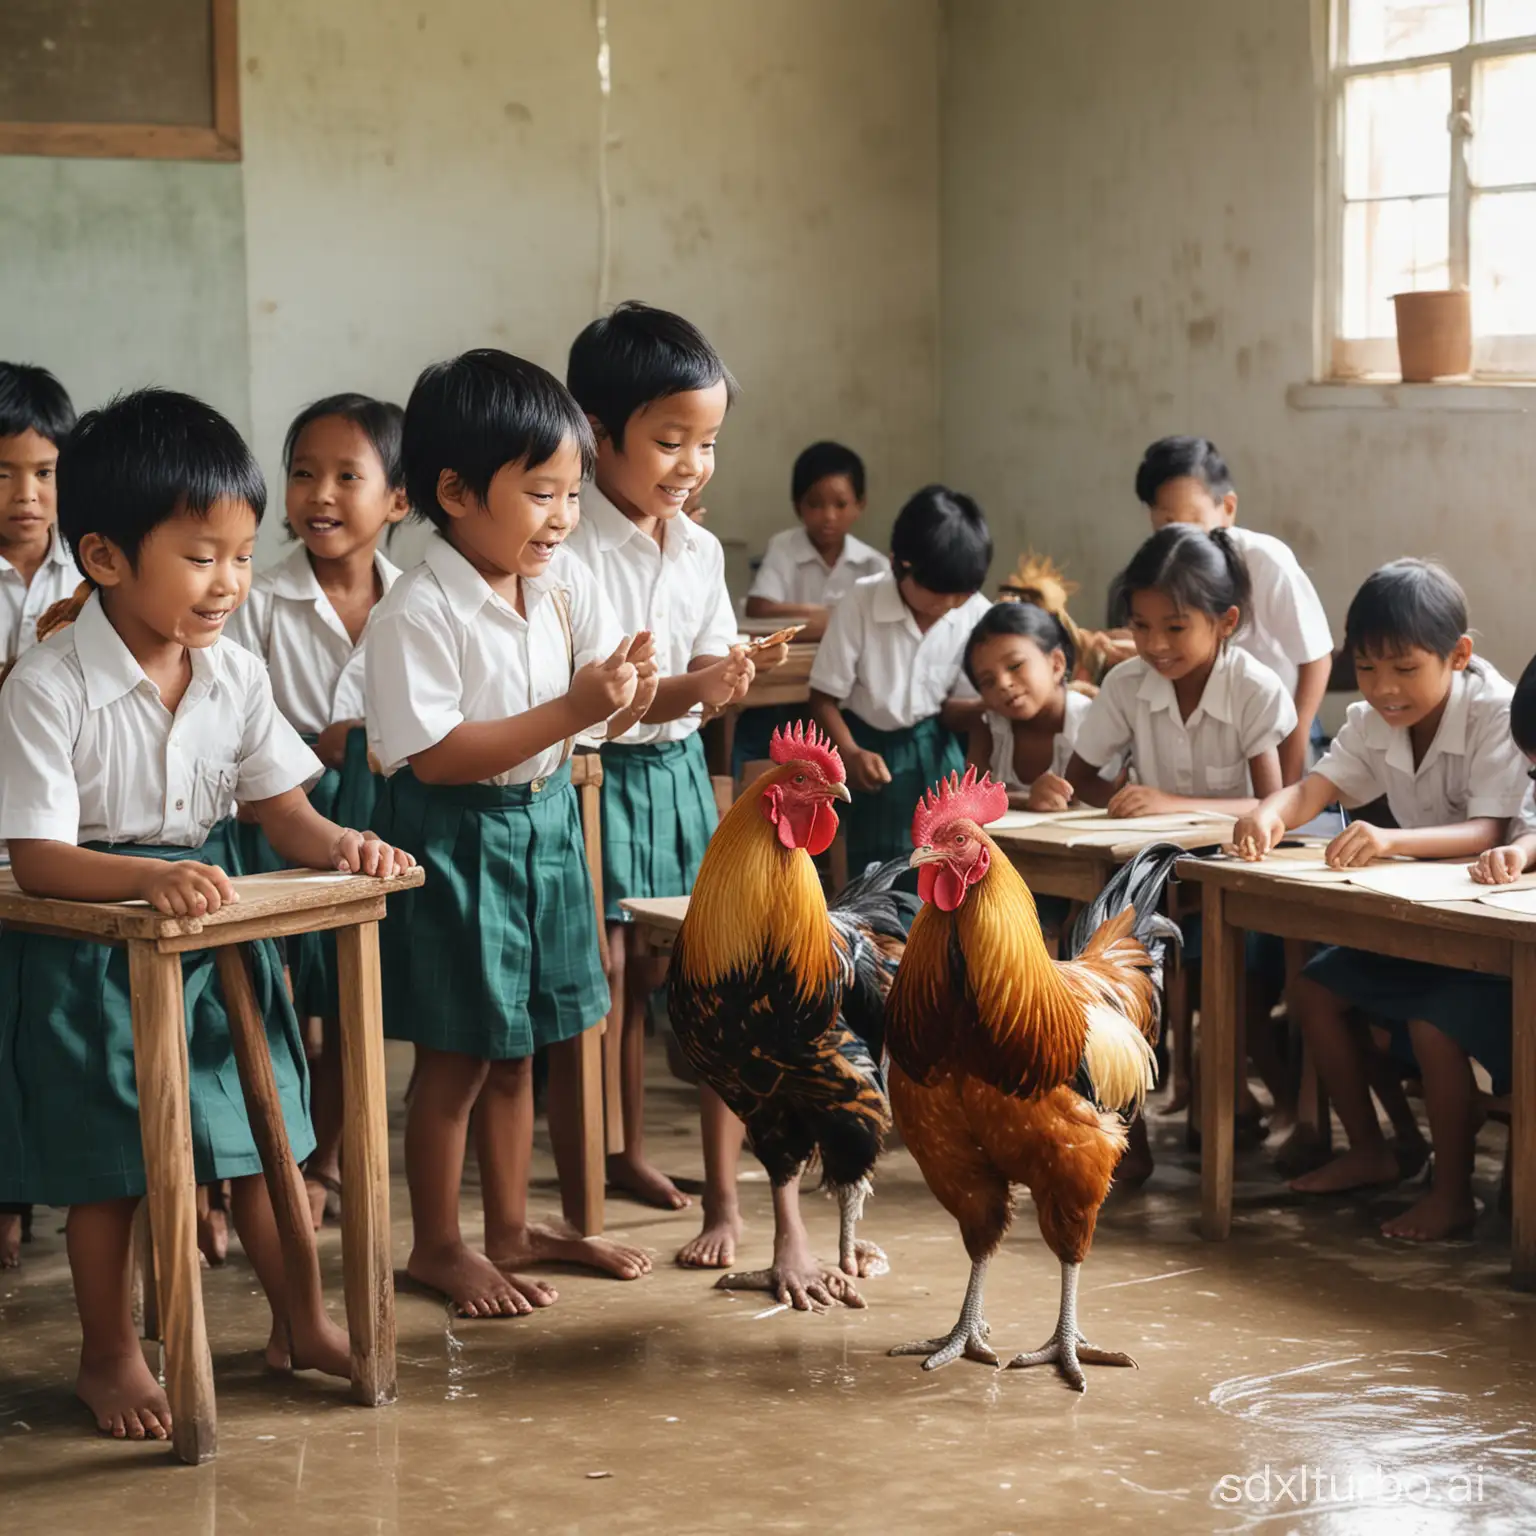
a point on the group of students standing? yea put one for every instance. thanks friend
(173, 720)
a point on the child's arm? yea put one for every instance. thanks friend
(1360, 843)
(959, 715)
(642, 657)
(62, 871)
(978, 746)
(1142, 800)
(308, 840)
(1500, 866)
(714, 681)
(1311, 685)
(867, 771)
(1102, 738)
(813, 615)
(1263, 826)
(1087, 787)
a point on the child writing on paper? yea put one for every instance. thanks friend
(1433, 736)
(1506, 863)
(124, 738)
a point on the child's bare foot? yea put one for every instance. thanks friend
(649, 1185)
(324, 1191)
(10, 1239)
(715, 1246)
(475, 1286)
(1437, 1216)
(329, 1351)
(212, 1230)
(126, 1399)
(543, 1243)
(1370, 1168)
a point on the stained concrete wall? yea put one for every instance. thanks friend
(1128, 225)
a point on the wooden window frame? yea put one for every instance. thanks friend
(152, 141)
(1495, 358)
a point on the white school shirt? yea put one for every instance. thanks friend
(443, 649)
(88, 753)
(1062, 746)
(876, 662)
(23, 604)
(675, 589)
(1472, 768)
(316, 671)
(793, 572)
(1245, 710)
(1287, 626)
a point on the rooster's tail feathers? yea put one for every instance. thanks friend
(1118, 1060)
(1137, 884)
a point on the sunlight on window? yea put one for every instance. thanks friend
(1509, 18)
(1395, 139)
(1504, 143)
(1504, 263)
(1405, 29)
(1390, 248)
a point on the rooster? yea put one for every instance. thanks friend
(1008, 1067)
(778, 1004)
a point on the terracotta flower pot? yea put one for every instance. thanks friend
(1434, 334)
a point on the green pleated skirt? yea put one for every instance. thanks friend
(658, 817)
(69, 1103)
(497, 954)
(878, 825)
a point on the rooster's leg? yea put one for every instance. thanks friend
(857, 1257)
(796, 1279)
(968, 1337)
(1068, 1350)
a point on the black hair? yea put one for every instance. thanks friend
(380, 421)
(32, 400)
(823, 459)
(1197, 571)
(635, 356)
(1406, 604)
(1522, 710)
(1028, 620)
(1180, 458)
(479, 412)
(147, 457)
(941, 540)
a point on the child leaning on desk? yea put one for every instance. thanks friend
(1433, 736)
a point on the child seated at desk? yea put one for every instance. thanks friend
(1432, 735)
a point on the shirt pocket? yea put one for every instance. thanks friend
(1227, 781)
(213, 791)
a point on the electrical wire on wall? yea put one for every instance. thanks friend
(604, 202)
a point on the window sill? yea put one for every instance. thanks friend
(1506, 398)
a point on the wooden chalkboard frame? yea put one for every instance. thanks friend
(152, 141)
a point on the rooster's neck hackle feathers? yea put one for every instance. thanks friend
(753, 899)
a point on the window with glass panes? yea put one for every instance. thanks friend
(1432, 174)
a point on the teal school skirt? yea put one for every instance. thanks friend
(497, 955)
(69, 1103)
(658, 817)
(878, 825)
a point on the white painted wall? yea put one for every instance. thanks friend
(1128, 217)
(421, 179)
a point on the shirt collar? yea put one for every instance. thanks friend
(466, 589)
(1450, 738)
(886, 605)
(1216, 701)
(58, 552)
(612, 529)
(109, 668)
(295, 577)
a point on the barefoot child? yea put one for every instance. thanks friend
(307, 618)
(656, 394)
(891, 663)
(483, 664)
(1433, 736)
(124, 738)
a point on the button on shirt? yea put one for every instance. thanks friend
(675, 589)
(1244, 711)
(876, 662)
(1472, 768)
(444, 648)
(793, 572)
(22, 603)
(1287, 627)
(88, 753)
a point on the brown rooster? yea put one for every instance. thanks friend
(1007, 1065)
(778, 1003)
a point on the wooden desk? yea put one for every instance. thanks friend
(1237, 898)
(657, 919)
(1051, 868)
(270, 906)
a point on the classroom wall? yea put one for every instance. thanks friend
(421, 179)
(117, 273)
(1128, 250)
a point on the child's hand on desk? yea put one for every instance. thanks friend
(1050, 792)
(866, 770)
(1256, 833)
(1140, 800)
(187, 889)
(1498, 866)
(602, 688)
(361, 853)
(1357, 845)
(331, 748)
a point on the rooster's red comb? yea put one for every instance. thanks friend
(979, 800)
(803, 743)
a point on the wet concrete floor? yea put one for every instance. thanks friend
(1307, 1376)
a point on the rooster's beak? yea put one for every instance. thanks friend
(839, 792)
(924, 856)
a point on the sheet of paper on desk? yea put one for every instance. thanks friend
(1116, 829)
(1421, 881)
(1021, 821)
(1508, 899)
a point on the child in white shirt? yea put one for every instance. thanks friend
(1433, 736)
(307, 618)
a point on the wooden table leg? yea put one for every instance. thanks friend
(366, 1262)
(593, 1141)
(285, 1184)
(165, 1118)
(144, 1274)
(1221, 1001)
(1522, 1116)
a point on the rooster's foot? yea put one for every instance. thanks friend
(967, 1338)
(809, 1287)
(1069, 1353)
(865, 1260)
(855, 1256)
